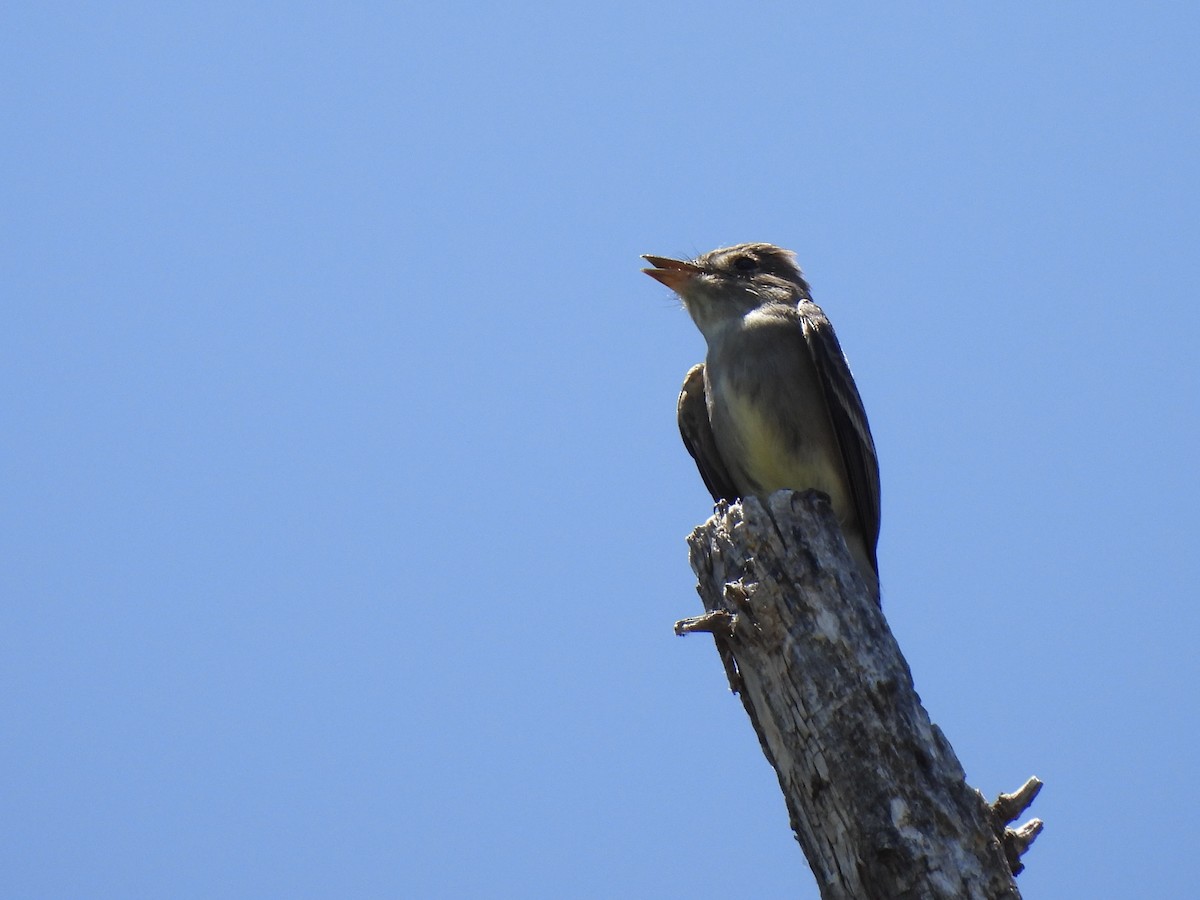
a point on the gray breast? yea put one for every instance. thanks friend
(768, 410)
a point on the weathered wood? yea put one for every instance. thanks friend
(876, 796)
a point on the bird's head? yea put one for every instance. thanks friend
(724, 285)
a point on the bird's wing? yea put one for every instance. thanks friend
(849, 421)
(697, 433)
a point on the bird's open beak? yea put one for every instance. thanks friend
(674, 273)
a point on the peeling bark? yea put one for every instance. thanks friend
(876, 796)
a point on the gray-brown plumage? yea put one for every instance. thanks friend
(774, 404)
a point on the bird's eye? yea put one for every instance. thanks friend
(745, 264)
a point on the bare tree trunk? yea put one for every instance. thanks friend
(877, 798)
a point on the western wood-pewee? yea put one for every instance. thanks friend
(773, 405)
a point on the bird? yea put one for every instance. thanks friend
(774, 404)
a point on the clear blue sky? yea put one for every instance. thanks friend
(343, 505)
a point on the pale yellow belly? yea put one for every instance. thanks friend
(774, 462)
